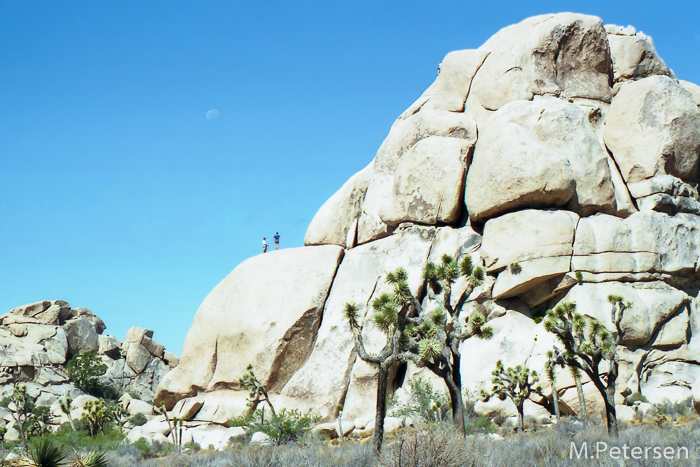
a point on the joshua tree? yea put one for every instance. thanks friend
(428, 340)
(391, 316)
(97, 414)
(66, 409)
(257, 393)
(21, 406)
(442, 339)
(516, 384)
(576, 375)
(587, 343)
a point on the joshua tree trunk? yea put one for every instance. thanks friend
(610, 412)
(581, 402)
(456, 403)
(381, 408)
(521, 422)
(555, 399)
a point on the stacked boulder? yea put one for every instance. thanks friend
(562, 145)
(37, 340)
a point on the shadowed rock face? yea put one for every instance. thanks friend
(561, 145)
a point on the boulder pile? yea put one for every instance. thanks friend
(37, 340)
(562, 145)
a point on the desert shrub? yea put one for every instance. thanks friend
(138, 419)
(144, 447)
(84, 371)
(515, 268)
(425, 404)
(284, 426)
(635, 397)
(479, 425)
(47, 453)
(673, 409)
(433, 446)
(81, 440)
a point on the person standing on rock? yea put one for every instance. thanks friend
(276, 238)
(264, 245)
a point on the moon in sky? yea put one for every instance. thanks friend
(212, 114)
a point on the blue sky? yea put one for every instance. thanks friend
(118, 194)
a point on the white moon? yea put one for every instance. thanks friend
(212, 114)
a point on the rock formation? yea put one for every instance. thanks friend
(37, 340)
(562, 145)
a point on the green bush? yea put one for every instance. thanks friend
(284, 426)
(634, 397)
(84, 371)
(425, 404)
(480, 425)
(138, 419)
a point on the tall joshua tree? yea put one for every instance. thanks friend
(443, 344)
(516, 384)
(391, 317)
(427, 339)
(587, 343)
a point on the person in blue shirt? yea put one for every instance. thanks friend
(276, 238)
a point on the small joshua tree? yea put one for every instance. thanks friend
(66, 406)
(97, 414)
(257, 393)
(21, 407)
(587, 343)
(516, 384)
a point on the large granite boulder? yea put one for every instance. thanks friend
(519, 155)
(538, 154)
(266, 313)
(653, 127)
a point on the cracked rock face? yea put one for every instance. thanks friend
(562, 146)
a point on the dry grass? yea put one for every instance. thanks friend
(439, 446)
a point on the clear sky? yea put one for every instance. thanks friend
(118, 194)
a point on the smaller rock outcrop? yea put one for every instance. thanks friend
(38, 339)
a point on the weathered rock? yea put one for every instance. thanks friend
(186, 409)
(693, 89)
(294, 280)
(261, 439)
(653, 127)
(578, 194)
(90, 316)
(333, 222)
(403, 136)
(646, 241)
(634, 57)
(428, 181)
(450, 89)
(215, 436)
(109, 345)
(81, 336)
(540, 234)
(538, 154)
(47, 312)
(558, 55)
